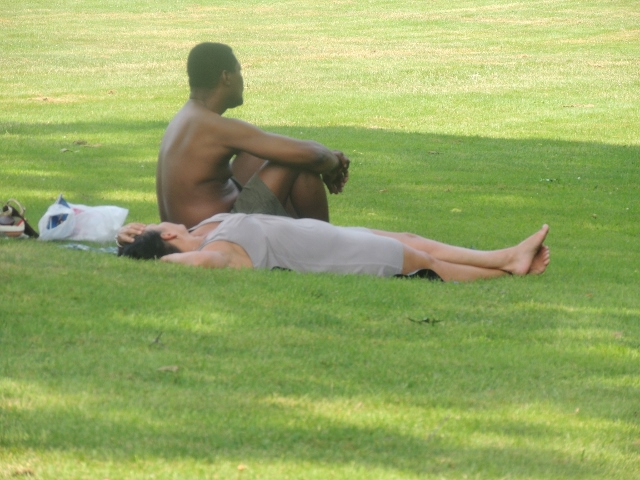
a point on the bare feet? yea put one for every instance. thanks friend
(530, 255)
(540, 261)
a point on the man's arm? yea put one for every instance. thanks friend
(305, 154)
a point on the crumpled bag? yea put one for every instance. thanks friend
(69, 221)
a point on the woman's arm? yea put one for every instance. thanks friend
(204, 258)
(128, 232)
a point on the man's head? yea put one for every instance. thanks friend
(149, 246)
(210, 63)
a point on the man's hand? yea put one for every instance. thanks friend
(338, 177)
(127, 233)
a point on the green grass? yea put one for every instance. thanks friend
(470, 122)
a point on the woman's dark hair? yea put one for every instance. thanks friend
(206, 63)
(148, 246)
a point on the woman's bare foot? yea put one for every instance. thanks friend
(540, 261)
(529, 254)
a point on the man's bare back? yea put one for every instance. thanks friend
(193, 179)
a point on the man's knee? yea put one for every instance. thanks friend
(281, 179)
(245, 165)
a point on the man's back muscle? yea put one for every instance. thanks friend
(193, 176)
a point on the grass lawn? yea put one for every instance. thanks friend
(470, 122)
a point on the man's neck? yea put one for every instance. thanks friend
(208, 100)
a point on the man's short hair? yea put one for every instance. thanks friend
(206, 63)
(148, 246)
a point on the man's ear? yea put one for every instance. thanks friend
(224, 78)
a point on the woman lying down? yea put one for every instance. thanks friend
(237, 240)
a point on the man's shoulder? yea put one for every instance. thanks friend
(211, 119)
(194, 112)
(193, 119)
(200, 123)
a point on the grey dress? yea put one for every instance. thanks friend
(307, 245)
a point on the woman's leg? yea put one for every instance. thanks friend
(415, 260)
(529, 256)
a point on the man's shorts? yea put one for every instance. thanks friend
(255, 197)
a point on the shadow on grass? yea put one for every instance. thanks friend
(253, 433)
(342, 382)
(391, 171)
(266, 375)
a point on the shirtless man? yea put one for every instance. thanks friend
(306, 245)
(196, 178)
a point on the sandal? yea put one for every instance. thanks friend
(13, 222)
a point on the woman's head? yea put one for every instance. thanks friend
(149, 246)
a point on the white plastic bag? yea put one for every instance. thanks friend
(68, 221)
